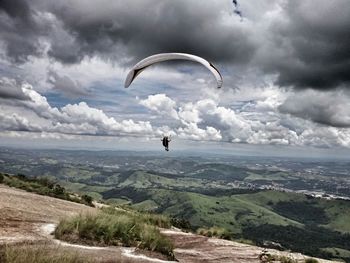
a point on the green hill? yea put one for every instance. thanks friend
(294, 221)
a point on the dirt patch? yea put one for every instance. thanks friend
(21, 213)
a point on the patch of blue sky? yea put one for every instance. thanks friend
(57, 100)
(144, 88)
(244, 105)
(104, 95)
(131, 112)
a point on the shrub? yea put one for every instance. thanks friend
(215, 232)
(181, 223)
(59, 190)
(153, 240)
(87, 200)
(311, 260)
(148, 218)
(155, 219)
(21, 177)
(44, 181)
(1, 178)
(112, 227)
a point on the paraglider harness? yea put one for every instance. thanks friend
(165, 142)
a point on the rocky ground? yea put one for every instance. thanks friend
(30, 218)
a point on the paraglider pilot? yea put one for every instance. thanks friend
(165, 142)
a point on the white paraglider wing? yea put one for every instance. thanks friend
(140, 66)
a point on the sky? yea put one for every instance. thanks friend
(285, 67)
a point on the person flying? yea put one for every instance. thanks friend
(165, 142)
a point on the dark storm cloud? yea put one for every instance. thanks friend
(315, 42)
(20, 29)
(16, 8)
(141, 28)
(121, 31)
(330, 108)
(306, 45)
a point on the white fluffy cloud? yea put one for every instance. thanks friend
(271, 117)
(258, 122)
(35, 114)
(161, 104)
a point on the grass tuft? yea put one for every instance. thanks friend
(215, 231)
(117, 227)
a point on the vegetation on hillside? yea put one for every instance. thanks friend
(264, 217)
(308, 240)
(43, 186)
(117, 227)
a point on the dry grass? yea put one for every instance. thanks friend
(112, 227)
(215, 231)
(43, 253)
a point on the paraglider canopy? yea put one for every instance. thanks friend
(146, 62)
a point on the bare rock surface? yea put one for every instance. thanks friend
(194, 248)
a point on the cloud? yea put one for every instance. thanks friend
(35, 114)
(65, 85)
(181, 26)
(193, 132)
(270, 119)
(259, 122)
(74, 29)
(79, 48)
(330, 108)
(306, 45)
(206, 120)
(14, 122)
(9, 89)
(21, 29)
(304, 48)
(161, 104)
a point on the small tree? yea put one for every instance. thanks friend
(1, 178)
(22, 177)
(45, 182)
(58, 190)
(181, 223)
(87, 199)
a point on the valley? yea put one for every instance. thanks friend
(298, 205)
